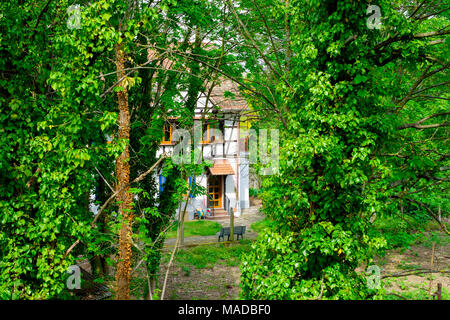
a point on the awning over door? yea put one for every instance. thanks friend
(221, 168)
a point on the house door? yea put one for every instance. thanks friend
(215, 192)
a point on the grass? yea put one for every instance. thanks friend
(405, 231)
(437, 237)
(415, 292)
(202, 257)
(196, 228)
(261, 225)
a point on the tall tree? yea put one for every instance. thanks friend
(337, 106)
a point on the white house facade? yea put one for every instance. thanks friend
(225, 144)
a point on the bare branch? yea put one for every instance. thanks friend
(411, 37)
(418, 124)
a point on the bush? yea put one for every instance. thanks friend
(399, 231)
(321, 264)
(254, 192)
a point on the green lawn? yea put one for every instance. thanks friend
(196, 228)
(259, 226)
(208, 255)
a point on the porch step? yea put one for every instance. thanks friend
(215, 218)
(219, 214)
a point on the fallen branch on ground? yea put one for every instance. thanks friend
(411, 273)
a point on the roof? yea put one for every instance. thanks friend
(233, 103)
(221, 168)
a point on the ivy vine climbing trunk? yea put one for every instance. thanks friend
(123, 178)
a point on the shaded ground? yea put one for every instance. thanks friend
(407, 261)
(220, 282)
(205, 271)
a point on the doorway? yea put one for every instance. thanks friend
(215, 191)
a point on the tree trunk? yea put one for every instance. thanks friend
(232, 224)
(287, 27)
(123, 178)
(182, 232)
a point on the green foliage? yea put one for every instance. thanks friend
(358, 135)
(47, 157)
(58, 98)
(281, 267)
(254, 192)
(335, 97)
(398, 231)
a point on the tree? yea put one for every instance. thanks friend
(45, 168)
(335, 98)
(361, 107)
(69, 89)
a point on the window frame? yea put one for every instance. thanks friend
(209, 127)
(164, 141)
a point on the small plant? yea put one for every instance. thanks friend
(254, 192)
(187, 271)
(173, 295)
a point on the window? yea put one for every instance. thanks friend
(211, 133)
(205, 133)
(168, 132)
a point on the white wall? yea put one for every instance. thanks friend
(244, 198)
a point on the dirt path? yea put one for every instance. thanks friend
(219, 282)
